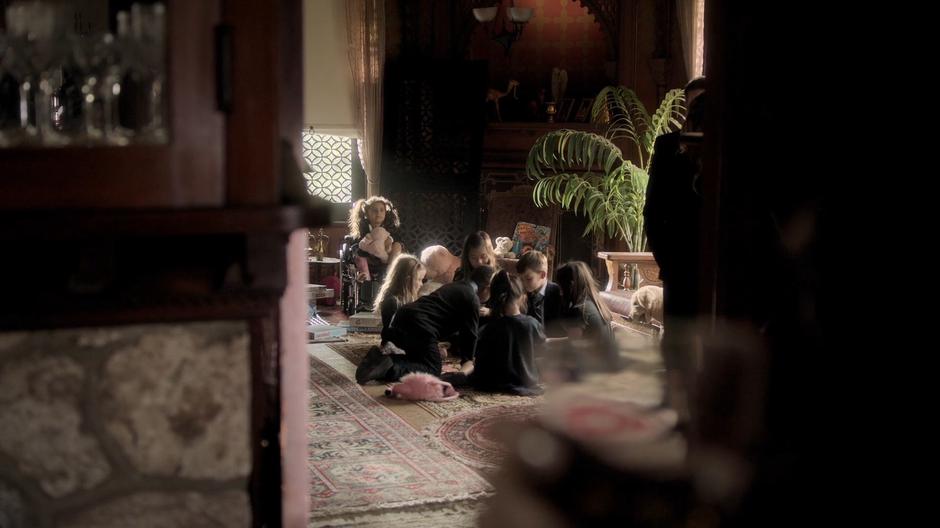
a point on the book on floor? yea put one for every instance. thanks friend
(315, 332)
(366, 322)
(318, 329)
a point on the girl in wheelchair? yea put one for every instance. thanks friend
(373, 225)
(367, 250)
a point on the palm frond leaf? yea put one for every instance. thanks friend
(566, 150)
(588, 174)
(668, 117)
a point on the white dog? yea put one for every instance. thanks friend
(647, 305)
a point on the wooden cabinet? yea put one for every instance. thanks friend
(194, 229)
(185, 172)
(233, 89)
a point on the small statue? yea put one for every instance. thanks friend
(494, 95)
(559, 83)
(318, 244)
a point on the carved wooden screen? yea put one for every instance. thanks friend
(433, 143)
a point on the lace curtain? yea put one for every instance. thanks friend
(691, 14)
(366, 25)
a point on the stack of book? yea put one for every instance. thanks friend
(319, 331)
(366, 322)
(319, 291)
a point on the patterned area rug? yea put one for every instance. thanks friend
(472, 400)
(475, 437)
(469, 399)
(357, 346)
(363, 457)
(460, 514)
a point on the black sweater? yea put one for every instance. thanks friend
(388, 307)
(546, 309)
(452, 309)
(505, 359)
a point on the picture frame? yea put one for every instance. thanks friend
(565, 111)
(527, 237)
(584, 110)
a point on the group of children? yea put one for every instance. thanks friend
(496, 322)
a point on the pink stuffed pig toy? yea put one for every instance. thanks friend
(419, 386)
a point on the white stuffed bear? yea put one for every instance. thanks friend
(377, 242)
(504, 247)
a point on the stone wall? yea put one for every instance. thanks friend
(139, 426)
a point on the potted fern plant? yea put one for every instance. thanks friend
(588, 173)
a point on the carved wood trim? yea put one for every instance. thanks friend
(607, 12)
(61, 225)
(615, 260)
(265, 419)
(140, 311)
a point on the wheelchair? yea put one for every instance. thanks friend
(357, 295)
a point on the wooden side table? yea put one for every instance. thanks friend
(315, 272)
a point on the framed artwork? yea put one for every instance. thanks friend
(528, 236)
(584, 110)
(566, 110)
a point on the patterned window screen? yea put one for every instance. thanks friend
(330, 163)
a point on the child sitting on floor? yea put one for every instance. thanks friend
(583, 314)
(505, 355)
(543, 297)
(477, 251)
(401, 286)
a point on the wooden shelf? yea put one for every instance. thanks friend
(506, 145)
(75, 224)
(541, 127)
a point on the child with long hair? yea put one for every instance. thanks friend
(373, 224)
(418, 327)
(505, 355)
(477, 251)
(583, 313)
(582, 308)
(401, 285)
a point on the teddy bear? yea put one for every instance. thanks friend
(421, 386)
(377, 242)
(504, 248)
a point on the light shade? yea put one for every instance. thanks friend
(519, 14)
(485, 14)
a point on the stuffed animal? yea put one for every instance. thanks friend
(504, 248)
(647, 305)
(420, 386)
(377, 242)
(440, 263)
